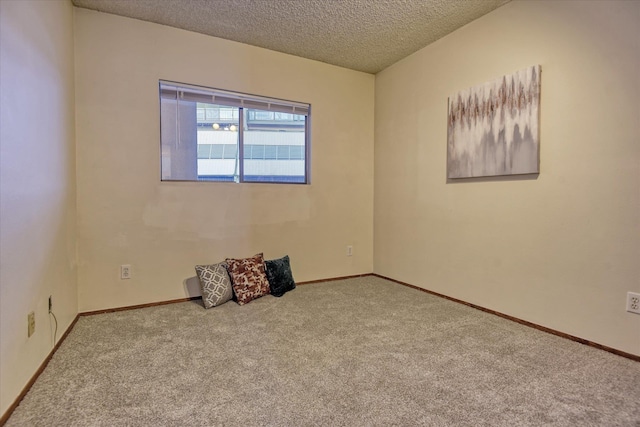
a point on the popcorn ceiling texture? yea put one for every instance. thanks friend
(363, 35)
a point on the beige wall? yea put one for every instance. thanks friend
(37, 185)
(127, 216)
(560, 250)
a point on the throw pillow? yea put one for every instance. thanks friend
(215, 284)
(280, 276)
(248, 278)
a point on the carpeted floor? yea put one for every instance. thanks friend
(356, 352)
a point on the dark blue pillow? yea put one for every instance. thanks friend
(279, 276)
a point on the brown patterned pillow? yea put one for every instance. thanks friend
(248, 278)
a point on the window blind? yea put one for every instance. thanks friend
(183, 92)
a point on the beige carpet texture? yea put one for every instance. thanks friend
(353, 352)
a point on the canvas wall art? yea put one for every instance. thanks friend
(493, 127)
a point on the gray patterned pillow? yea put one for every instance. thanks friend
(215, 284)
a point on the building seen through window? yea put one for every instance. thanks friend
(211, 141)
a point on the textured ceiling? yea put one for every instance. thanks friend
(364, 35)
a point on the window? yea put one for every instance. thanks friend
(213, 135)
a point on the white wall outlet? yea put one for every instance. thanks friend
(633, 302)
(349, 250)
(125, 271)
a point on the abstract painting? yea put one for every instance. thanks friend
(493, 127)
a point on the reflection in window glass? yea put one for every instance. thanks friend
(218, 165)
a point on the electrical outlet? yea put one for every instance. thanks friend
(125, 271)
(349, 250)
(633, 302)
(50, 303)
(31, 324)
